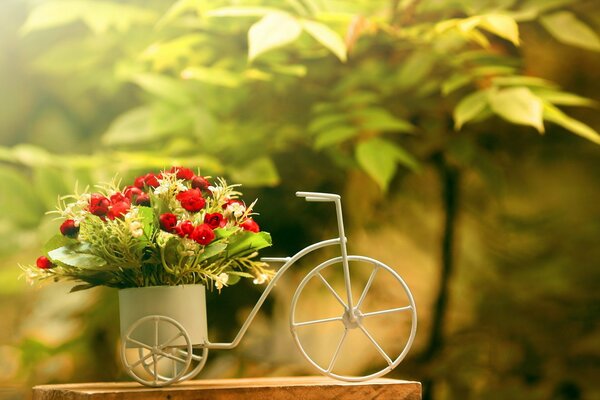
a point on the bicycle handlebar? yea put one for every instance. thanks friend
(316, 196)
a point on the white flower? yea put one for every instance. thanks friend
(136, 229)
(237, 209)
(221, 280)
(260, 279)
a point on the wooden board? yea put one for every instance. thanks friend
(297, 388)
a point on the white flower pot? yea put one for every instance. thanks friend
(186, 304)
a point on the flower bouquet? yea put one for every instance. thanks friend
(167, 229)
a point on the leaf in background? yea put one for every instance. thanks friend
(564, 98)
(555, 115)
(521, 80)
(414, 69)
(247, 242)
(379, 158)
(501, 25)
(327, 37)
(335, 135)
(212, 76)
(274, 30)
(131, 127)
(326, 121)
(259, 172)
(455, 82)
(469, 108)
(18, 200)
(379, 119)
(50, 184)
(72, 255)
(163, 87)
(518, 105)
(240, 12)
(568, 29)
(99, 16)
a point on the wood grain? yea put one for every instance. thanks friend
(297, 388)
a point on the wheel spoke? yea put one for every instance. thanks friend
(141, 360)
(377, 346)
(391, 310)
(367, 286)
(174, 338)
(195, 357)
(155, 367)
(337, 351)
(317, 321)
(332, 290)
(156, 319)
(143, 345)
(171, 356)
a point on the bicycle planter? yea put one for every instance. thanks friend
(163, 329)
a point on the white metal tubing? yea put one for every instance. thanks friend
(266, 292)
(394, 362)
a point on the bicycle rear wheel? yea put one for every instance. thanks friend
(379, 327)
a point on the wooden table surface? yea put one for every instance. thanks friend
(296, 388)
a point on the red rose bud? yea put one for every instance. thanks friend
(99, 205)
(184, 229)
(152, 179)
(43, 263)
(214, 220)
(143, 200)
(191, 200)
(139, 182)
(131, 192)
(118, 198)
(118, 209)
(183, 173)
(168, 222)
(203, 234)
(250, 225)
(69, 228)
(199, 182)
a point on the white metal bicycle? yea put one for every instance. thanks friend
(170, 348)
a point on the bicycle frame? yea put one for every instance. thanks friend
(289, 261)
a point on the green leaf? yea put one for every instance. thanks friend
(555, 115)
(212, 250)
(501, 25)
(379, 158)
(50, 184)
(57, 241)
(379, 119)
(246, 242)
(18, 201)
(240, 12)
(258, 172)
(221, 233)
(234, 277)
(564, 98)
(212, 76)
(568, 29)
(72, 255)
(148, 220)
(327, 37)
(518, 105)
(335, 135)
(163, 87)
(274, 30)
(131, 127)
(455, 82)
(469, 108)
(327, 121)
(521, 80)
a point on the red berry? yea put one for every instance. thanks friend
(43, 262)
(250, 225)
(69, 228)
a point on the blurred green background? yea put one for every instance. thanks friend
(424, 114)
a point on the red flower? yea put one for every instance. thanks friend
(250, 225)
(152, 179)
(183, 173)
(69, 228)
(139, 182)
(203, 234)
(184, 229)
(143, 200)
(44, 263)
(168, 222)
(199, 182)
(214, 220)
(132, 192)
(99, 205)
(191, 200)
(118, 198)
(119, 209)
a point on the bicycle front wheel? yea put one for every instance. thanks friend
(342, 339)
